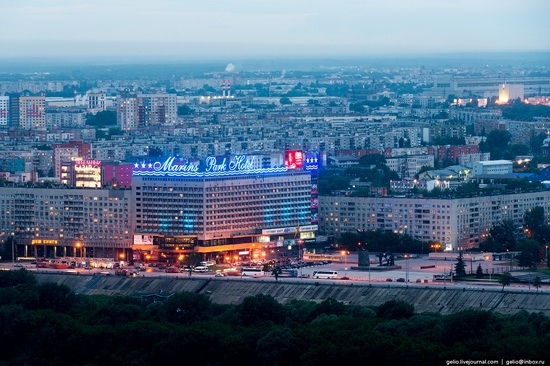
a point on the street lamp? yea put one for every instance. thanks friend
(407, 256)
(344, 253)
(12, 250)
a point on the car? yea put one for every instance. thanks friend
(18, 265)
(219, 274)
(389, 280)
(400, 280)
(418, 280)
(345, 278)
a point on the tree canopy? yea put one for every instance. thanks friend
(49, 324)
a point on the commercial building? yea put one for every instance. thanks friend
(71, 151)
(492, 167)
(457, 224)
(223, 207)
(53, 222)
(507, 92)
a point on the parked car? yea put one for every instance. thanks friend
(389, 280)
(400, 280)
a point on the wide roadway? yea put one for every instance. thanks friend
(420, 272)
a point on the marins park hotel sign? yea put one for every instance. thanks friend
(212, 167)
(223, 166)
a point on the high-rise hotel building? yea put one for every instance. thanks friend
(222, 206)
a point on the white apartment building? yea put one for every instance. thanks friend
(4, 111)
(455, 223)
(409, 165)
(31, 113)
(142, 110)
(492, 167)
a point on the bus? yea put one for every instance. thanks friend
(289, 273)
(255, 272)
(325, 274)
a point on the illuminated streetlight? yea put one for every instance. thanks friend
(345, 254)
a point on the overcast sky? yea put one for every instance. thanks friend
(208, 28)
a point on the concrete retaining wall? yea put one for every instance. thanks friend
(224, 291)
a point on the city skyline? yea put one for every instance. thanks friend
(270, 29)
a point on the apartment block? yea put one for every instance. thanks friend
(458, 223)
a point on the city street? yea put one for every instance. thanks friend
(418, 271)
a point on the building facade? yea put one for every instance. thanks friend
(457, 224)
(224, 207)
(52, 222)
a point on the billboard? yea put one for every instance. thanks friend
(294, 159)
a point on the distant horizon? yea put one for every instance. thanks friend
(243, 29)
(479, 58)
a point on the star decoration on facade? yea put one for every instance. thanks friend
(136, 165)
(149, 165)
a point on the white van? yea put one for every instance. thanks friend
(200, 269)
(325, 274)
(208, 263)
(255, 272)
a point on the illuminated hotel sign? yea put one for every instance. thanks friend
(213, 167)
(294, 159)
(311, 161)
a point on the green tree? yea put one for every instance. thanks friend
(185, 307)
(258, 309)
(526, 259)
(460, 267)
(537, 283)
(533, 220)
(395, 309)
(185, 110)
(357, 107)
(192, 260)
(101, 119)
(285, 101)
(504, 233)
(479, 271)
(278, 347)
(276, 271)
(505, 280)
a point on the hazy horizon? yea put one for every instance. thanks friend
(194, 29)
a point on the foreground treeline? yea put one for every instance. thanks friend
(48, 324)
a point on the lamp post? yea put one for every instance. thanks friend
(407, 269)
(344, 253)
(12, 250)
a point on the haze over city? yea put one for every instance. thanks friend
(245, 28)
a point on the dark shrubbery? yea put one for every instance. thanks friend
(48, 324)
